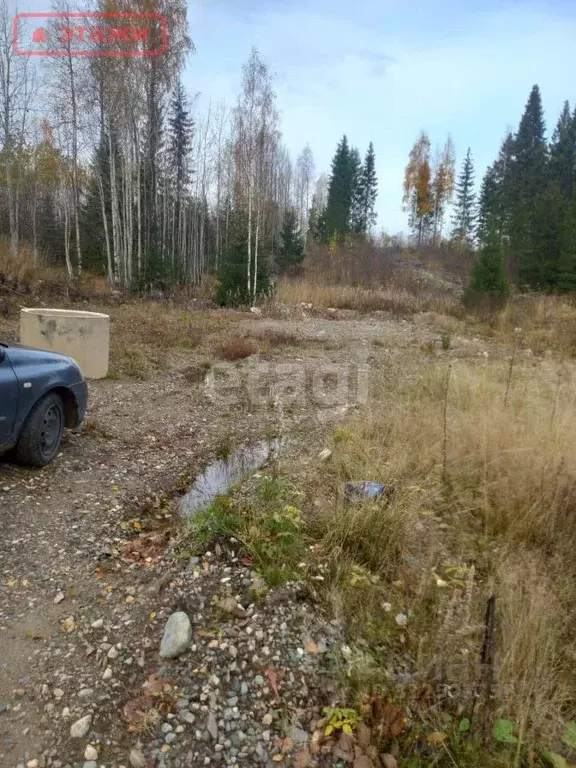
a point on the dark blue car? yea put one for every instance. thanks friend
(41, 393)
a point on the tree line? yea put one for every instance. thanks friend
(107, 164)
(523, 220)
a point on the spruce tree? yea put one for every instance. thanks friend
(489, 279)
(558, 212)
(233, 290)
(336, 218)
(364, 215)
(495, 197)
(528, 183)
(181, 127)
(291, 250)
(464, 219)
(180, 138)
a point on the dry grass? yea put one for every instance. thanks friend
(236, 349)
(277, 338)
(501, 520)
(541, 323)
(394, 299)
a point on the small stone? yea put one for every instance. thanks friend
(58, 599)
(58, 693)
(107, 673)
(298, 736)
(177, 636)
(212, 726)
(90, 764)
(112, 653)
(32, 764)
(136, 758)
(81, 727)
(388, 761)
(86, 693)
(90, 753)
(231, 607)
(401, 619)
(98, 624)
(170, 737)
(267, 719)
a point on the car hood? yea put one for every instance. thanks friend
(31, 356)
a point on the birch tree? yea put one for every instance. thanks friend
(16, 92)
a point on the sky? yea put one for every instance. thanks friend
(383, 70)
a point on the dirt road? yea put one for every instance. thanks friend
(88, 577)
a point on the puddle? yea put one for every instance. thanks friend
(221, 475)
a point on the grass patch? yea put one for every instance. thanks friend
(394, 299)
(483, 507)
(195, 374)
(270, 529)
(277, 338)
(471, 560)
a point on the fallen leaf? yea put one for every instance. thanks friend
(387, 719)
(310, 645)
(273, 679)
(205, 633)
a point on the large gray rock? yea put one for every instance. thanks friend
(177, 636)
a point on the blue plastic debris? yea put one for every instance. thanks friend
(367, 490)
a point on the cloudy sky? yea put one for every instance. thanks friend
(382, 70)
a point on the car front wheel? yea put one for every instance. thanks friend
(41, 435)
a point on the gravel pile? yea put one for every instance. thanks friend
(250, 684)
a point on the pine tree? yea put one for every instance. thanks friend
(464, 219)
(528, 183)
(291, 250)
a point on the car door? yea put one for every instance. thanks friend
(8, 397)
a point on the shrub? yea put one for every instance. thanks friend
(236, 349)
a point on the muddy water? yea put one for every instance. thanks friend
(221, 475)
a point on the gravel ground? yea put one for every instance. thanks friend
(88, 579)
